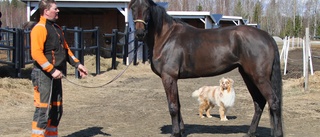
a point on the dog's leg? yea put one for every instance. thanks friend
(200, 113)
(208, 112)
(223, 111)
(202, 107)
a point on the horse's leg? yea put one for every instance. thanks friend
(258, 100)
(171, 89)
(274, 103)
(261, 91)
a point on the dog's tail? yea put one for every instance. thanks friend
(196, 93)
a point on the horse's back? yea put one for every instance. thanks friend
(250, 40)
(242, 41)
(249, 47)
(257, 50)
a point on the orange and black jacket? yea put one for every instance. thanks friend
(49, 48)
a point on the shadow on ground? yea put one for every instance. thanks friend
(217, 129)
(9, 71)
(89, 132)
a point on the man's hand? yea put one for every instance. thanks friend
(57, 74)
(82, 70)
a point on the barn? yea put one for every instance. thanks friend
(114, 14)
(111, 14)
(107, 14)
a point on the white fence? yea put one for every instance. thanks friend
(307, 58)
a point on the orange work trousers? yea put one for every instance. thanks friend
(48, 104)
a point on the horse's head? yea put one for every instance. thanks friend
(140, 12)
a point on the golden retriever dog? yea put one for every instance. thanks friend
(222, 96)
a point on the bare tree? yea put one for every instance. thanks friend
(219, 6)
(312, 11)
(227, 8)
(13, 13)
(274, 15)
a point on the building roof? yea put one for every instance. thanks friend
(237, 20)
(81, 0)
(85, 3)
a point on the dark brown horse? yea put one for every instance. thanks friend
(180, 51)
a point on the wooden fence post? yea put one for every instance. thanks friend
(306, 59)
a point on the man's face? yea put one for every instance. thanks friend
(52, 13)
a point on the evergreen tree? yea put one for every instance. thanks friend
(298, 27)
(238, 9)
(257, 12)
(199, 7)
(14, 3)
(288, 29)
(318, 30)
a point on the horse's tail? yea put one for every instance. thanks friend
(276, 82)
(196, 93)
(276, 78)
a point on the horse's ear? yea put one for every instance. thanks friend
(151, 2)
(131, 3)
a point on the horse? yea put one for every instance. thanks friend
(179, 51)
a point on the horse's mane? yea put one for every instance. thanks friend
(158, 15)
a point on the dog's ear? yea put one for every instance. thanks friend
(221, 81)
(231, 81)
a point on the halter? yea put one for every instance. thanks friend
(145, 24)
(140, 20)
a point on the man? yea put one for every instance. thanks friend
(50, 52)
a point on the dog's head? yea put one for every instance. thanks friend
(226, 84)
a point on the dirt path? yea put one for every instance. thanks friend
(135, 106)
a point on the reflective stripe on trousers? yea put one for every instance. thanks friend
(49, 131)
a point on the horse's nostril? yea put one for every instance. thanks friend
(140, 32)
(140, 35)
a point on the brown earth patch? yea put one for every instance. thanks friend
(135, 104)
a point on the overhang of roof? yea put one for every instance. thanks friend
(82, 6)
(85, 4)
(81, 0)
(204, 14)
(189, 14)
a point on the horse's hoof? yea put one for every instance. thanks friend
(249, 135)
(175, 136)
(178, 135)
(182, 135)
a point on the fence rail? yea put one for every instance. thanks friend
(11, 42)
(16, 42)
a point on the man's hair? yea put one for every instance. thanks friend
(45, 4)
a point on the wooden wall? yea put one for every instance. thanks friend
(194, 22)
(105, 19)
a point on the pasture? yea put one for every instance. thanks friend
(135, 105)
